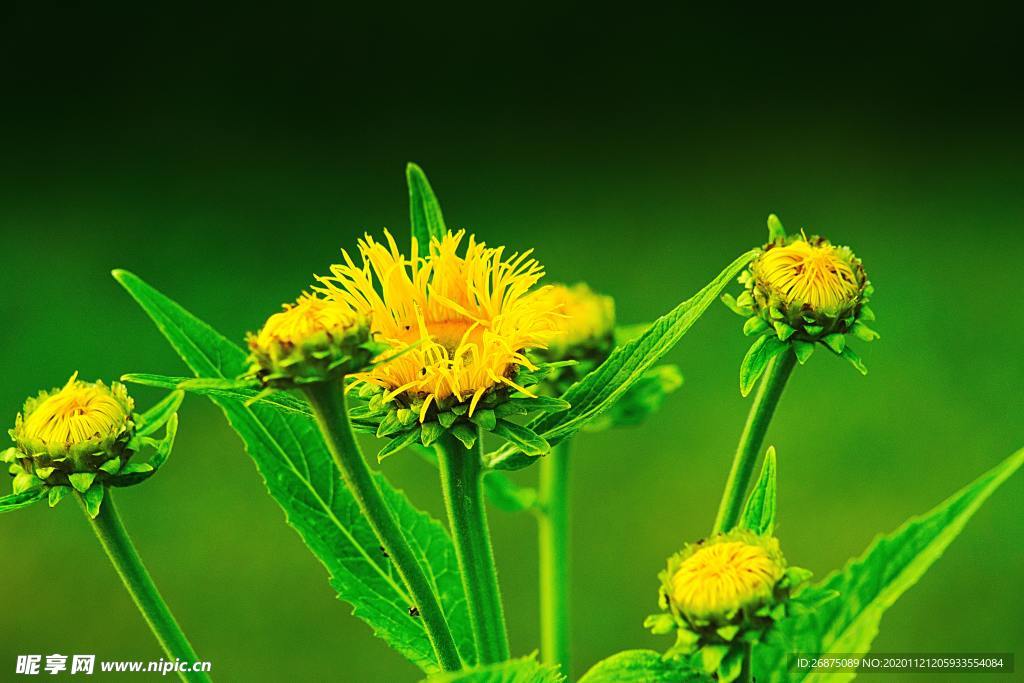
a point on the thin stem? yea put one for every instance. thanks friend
(553, 542)
(747, 672)
(461, 482)
(752, 438)
(327, 400)
(121, 551)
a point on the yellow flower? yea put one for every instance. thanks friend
(584, 318)
(312, 340)
(810, 273)
(725, 575)
(457, 325)
(82, 418)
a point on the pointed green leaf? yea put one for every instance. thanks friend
(835, 341)
(855, 360)
(466, 434)
(302, 478)
(523, 670)
(759, 512)
(759, 355)
(16, 501)
(112, 466)
(641, 666)
(642, 400)
(93, 499)
(25, 482)
(430, 432)
(870, 584)
(424, 209)
(447, 418)
(524, 438)
(783, 330)
(754, 326)
(484, 418)
(156, 417)
(775, 229)
(277, 399)
(81, 481)
(627, 365)
(863, 332)
(398, 443)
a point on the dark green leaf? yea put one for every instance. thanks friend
(16, 501)
(870, 584)
(524, 438)
(627, 365)
(301, 476)
(523, 670)
(759, 512)
(758, 356)
(424, 209)
(641, 666)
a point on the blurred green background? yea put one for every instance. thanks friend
(226, 156)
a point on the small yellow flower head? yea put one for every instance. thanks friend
(457, 320)
(583, 332)
(71, 436)
(312, 340)
(726, 575)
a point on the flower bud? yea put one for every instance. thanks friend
(71, 434)
(583, 332)
(312, 340)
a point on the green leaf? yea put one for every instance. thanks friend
(302, 478)
(16, 501)
(759, 512)
(524, 438)
(398, 443)
(775, 228)
(156, 417)
(803, 350)
(627, 365)
(93, 499)
(641, 666)
(230, 390)
(522, 670)
(758, 356)
(81, 481)
(854, 360)
(642, 400)
(424, 209)
(870, 584)
(137, 472)
(485, 419)
(835, 341)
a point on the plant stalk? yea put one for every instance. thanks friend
(462, 485)
(760, 416)
(118, 545)
(747, 672)
(327, 400)
(553, 543)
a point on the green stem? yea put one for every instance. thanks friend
(747, 673)
(752, 438)
(121, 551)
(553, 542)
(461, 482)
(327, 400)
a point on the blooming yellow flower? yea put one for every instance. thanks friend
(812, 273)
(82, 418)
(724, 576)
(457, 325)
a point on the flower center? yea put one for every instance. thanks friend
(76, 413)
(723, 577)
(816, 275)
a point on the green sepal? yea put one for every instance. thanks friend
(406, 416)
(527, 440)
(803, 350)
(814, 330)
(447, 418)
(725, 632)
(775, 229)
(758, 356)
(485, 419)
(10, 454)
(16, 501)
(866, 314)
(56, 494)
(26, 481)
(398, 443)
(709, 657)
(836, 342)
(460, 409)
(783, 330)
(45, 472)
(732, 665)
(730, 302)
(81, 481)
(660, 624)
(854, 360)
(93, 499)
(137, 468)
(112, 466)
(430, 432)
(862, 331)
(466, 434)
(754, 326)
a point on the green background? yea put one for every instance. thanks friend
(227, 157)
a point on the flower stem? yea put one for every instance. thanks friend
(747, 673)
(461, 482)
(553, 541)
(327, 400)
(119, 548)
(752, 438)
